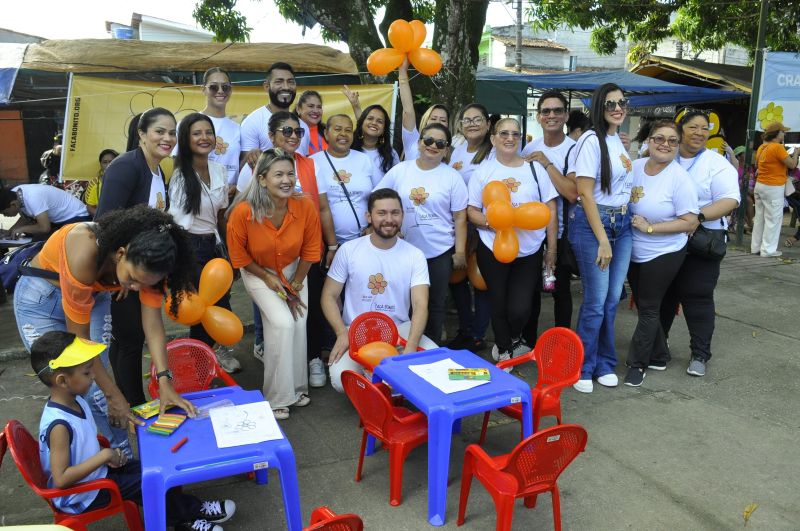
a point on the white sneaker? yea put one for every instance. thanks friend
(503, 356)
(584, 386)
(316, 373)
(519, 347)
(772, 255)
(608, 380)
(258, 351)
(495, 353)
(226, 360)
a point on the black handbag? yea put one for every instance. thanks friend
(565, 257)
(710, 244)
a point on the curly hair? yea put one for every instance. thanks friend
(153, 241)
(384, 142)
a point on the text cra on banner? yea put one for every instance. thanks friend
(99, 111)
(779, 98)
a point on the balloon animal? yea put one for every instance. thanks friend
(406, 39)
(503, 217)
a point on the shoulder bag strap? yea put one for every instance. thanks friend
(344, 188)
(564, 203)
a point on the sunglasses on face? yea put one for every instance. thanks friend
(225, 87)
(287, 131)
(660, 139)
(557, 111)
(505, 134)
(478, 120)
(429, 141)
(611, 105)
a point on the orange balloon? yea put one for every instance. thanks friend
(458, 276)
(371, 354)
(215, 280)
(426, 61)
(381, 62)
(474, 273)
(500, 215)
(401, 35)
(506, 246)
(222, 325)
(495, 191)
(190, 309)
(531, 216)
(418, 27)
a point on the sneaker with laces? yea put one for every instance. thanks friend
(460, 342)
(198, 525)
(226, 360)
(608, 380)
(584, 386)
(635, 376)
(519, 347)
(316, 373)
(258, 351)
(697, 367)
(503, 356)
(495, 353)
(217, 511)
(657, 365)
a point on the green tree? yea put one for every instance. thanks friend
(221, 17)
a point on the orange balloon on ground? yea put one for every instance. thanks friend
(458, 276)
(401, 36)
(190, 309)
(215, 280)
(531, 216)
(223, 326)
(495, 191)
(418, 27)
(426, 61)
(371, 354)
(474, 273)
(500, 215)
(381, 62)
(506, 246)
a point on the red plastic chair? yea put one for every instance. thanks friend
(25, 452)
(194, 366)
(398, 429)
(3, 445)
(559, 357)
(323, 519)
(530, 469)
(370, 327)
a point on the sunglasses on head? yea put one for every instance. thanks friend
(557, 111)
(287, 131)
(660, 139)
(429, 141)
(215, 87)
(611, 105)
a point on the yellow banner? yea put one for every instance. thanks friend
(100, 110)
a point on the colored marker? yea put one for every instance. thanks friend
(179, 444)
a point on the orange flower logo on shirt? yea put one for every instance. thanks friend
(418, 195)
(637, 192)
(626, 162)
(222, 147)
(377, 284)
(344, 176)
(458, 165)
(512, 184)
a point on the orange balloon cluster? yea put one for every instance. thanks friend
(503, 217)
(195, 308)
(406, 39)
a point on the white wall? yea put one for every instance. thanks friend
(541, 58)
(158, 32)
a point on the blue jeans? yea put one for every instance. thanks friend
(38, 309)
(601, 288)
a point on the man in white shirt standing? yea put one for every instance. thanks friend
(378, 272)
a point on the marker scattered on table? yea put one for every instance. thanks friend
(179, 444)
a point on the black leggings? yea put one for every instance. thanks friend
(127, 342)
(511, 289)
(649, 282)
(562, 304)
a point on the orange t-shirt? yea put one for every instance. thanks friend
(307, 175)
(77, 298)
(299, 237)
(771, 169)
(316, 141)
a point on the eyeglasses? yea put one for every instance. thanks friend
(478, 120)
(429, 141)
(287, 131)
(660, 139)
(611, 105)
(214, 88)
(557, 111)
(505, 134)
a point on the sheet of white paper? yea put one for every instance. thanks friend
(244, 424)
(20, 241)
(436, 375)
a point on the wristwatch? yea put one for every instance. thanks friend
(649, 229)
(701, 217)
(167, 373)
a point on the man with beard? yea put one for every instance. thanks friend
(281, 88)
(378, 272)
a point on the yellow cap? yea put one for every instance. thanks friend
(80, 351)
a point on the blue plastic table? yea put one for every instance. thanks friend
(199, 459)
(444, 411)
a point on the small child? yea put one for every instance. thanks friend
(68, 446)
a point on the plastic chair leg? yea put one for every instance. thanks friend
(361, 455)
(505, 511)
(556, 508)
(484, 427)
(466, 485)
(132, 516)
(397, 458)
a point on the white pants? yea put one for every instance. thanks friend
(285, 367)
(768, 220)
(346, 363)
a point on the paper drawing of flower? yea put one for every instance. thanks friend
(769, 114)
(377, 284)
(222, 147)
(512, 184)
(344, 176)
(637, 192)
(418, 195)
(626, 162)
(458, 165)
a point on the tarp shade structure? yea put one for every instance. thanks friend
(11, 56)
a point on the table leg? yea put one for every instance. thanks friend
(457, 426)
(287, 471)
(527, 417)
(370, 445)
(154, 501)
(440, 429)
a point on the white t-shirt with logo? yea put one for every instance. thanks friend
(59, 204)
(558, 156)
(355, 171)
(158, 193)
(377, 163)
(659, 198)
(255, 132)
(378, 280)
(587, 164)
(523, 189)
(429, 197)
(410, 144)
(714, 178)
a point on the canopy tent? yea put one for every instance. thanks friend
(695, 72)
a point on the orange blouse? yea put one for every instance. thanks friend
(307, 175)
(299, 237)
(77, 298)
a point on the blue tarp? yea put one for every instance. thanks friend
(10, 60)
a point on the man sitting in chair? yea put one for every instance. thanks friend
(378, 272)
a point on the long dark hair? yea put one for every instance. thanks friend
(153, 241)
(385, 141)
(277, 119)
(191, 182)
(133, 133)
(485, 146)
(600, 126)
